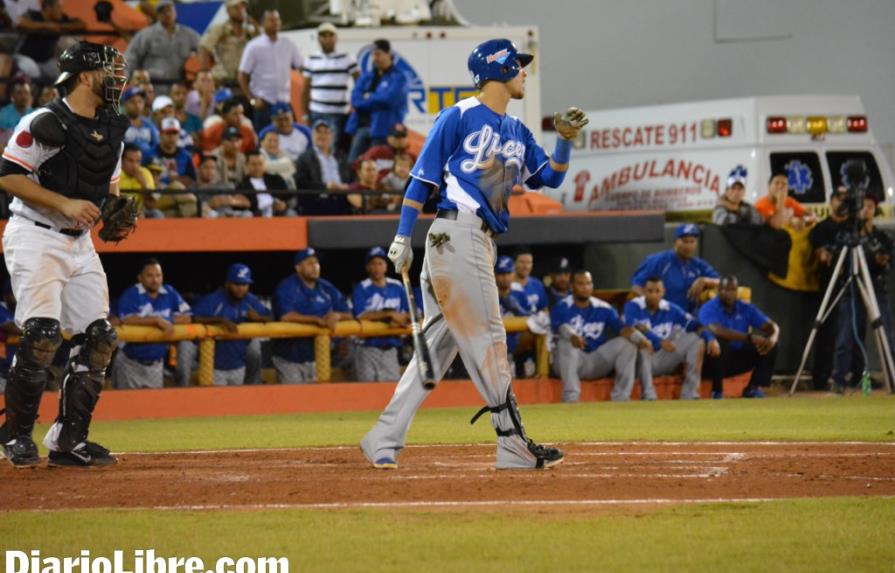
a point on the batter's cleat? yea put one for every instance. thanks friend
(20, 452)
(546, 456)
(385, 464)
(84, 455)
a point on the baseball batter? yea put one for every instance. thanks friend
(61, 165)
(474, 156)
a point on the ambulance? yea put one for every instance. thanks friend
(677, 157)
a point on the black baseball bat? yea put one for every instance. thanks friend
(420, 347)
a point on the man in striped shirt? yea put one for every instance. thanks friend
(326, 90)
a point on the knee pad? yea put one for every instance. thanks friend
(41, 338)
(28, 377)
(100, 341)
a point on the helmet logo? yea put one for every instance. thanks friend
(499, 57)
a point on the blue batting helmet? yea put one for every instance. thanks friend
(497, 60)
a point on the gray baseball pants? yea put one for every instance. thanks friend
(461, 315)
(688, 347)
(574, 364)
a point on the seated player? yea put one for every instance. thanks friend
(511, 298)
(585, 346)
(675, 335)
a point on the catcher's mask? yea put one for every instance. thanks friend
(87, 56)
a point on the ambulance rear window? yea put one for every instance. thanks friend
(802, 168)
(836, 159)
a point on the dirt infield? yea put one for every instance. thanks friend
(460, 476)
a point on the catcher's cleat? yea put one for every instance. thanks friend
(547, 456)
(85, 454)
(21, 452)
(385, 464)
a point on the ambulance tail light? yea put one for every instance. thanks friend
(857, 124)
(725, 127)
(816, 125)
(776, 124)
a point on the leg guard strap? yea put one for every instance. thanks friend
(41, 339)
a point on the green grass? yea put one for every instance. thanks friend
(826, 419)
(837, 534)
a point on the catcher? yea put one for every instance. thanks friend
(61, 165)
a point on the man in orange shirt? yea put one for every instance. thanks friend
(779, 209)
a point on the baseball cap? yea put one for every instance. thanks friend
(382, 45)
(232, 133)
(504, 265)
(326, 27)
(375, 252)
(161, 102)
(399, 130)
(304, 254)
(239, 274)
(562, 266)
(170, 124)
(131, 92)
(320, 122)
(280, 108)
(686, 230)
(223, 94)
(738, 175)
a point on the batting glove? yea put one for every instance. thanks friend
(570, 123)
(401, 254)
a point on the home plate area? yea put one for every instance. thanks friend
(462, 476)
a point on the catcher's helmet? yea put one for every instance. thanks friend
(87, 56)
(496, 60)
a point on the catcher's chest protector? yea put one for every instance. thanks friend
(84, 166)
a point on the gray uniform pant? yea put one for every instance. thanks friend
(372, 364)
(253, 362)
(688, 347)
(294, 372)
(462, 315)
(233, 377)
(128, 373)
(574, 364)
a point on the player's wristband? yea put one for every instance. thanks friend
(416, 194)
(562, 152)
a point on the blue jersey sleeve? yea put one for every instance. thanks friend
(706, 270)
(285, 299)
(646, 269)
(340, 303)
(256, 305)
(178, 305)
(443, 139)
(558, 316)
(206, 305)
(129, 303)
(706, 314)
(757, 319)
(535, 157)
(359, 300)
(542, 296)
(613, 320)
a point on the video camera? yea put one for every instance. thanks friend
(856, 179)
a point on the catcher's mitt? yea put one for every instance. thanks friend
(119, 216)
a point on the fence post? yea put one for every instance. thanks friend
(322, 357)
(206, 361)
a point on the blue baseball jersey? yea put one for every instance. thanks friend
(596, 323)
(135, 301)
(535, 294)
(368, 297)
(229, 354)
(6, 361)
(146, 137)
(474, 156)
(677, 275)
(293, 295)
(741, 318)
(514, 304)
(661, 323)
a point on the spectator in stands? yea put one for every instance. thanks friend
(531, 286)
(684, 275)
(676, 337)
(231, 117)
(220, 204)
(327, 75)
(189, 122)
(322, 168)
(141, 79)
(384, 155)
(47, 94)
(20, 104)
(778, 208)
(231, 161)
(265, 69)
(748, 340)
(230, 306)
(162, 107)
(295, 138)
(511, 299)
(200, 101)
(163, 48)
(137, 182)
(277, 162)
(397, 178)
(221, 46)
(379, 99)
(151, 302)
(365, 191)
(304, 298)
(15, 9)
(177, 162)
(141, 132)
(560, 282)
(256, 184)
(7, 328)
(731, 209)
(849, 364)
(379, 298)
(592, 341)
(36, 54)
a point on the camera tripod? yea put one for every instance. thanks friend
(859, 276)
